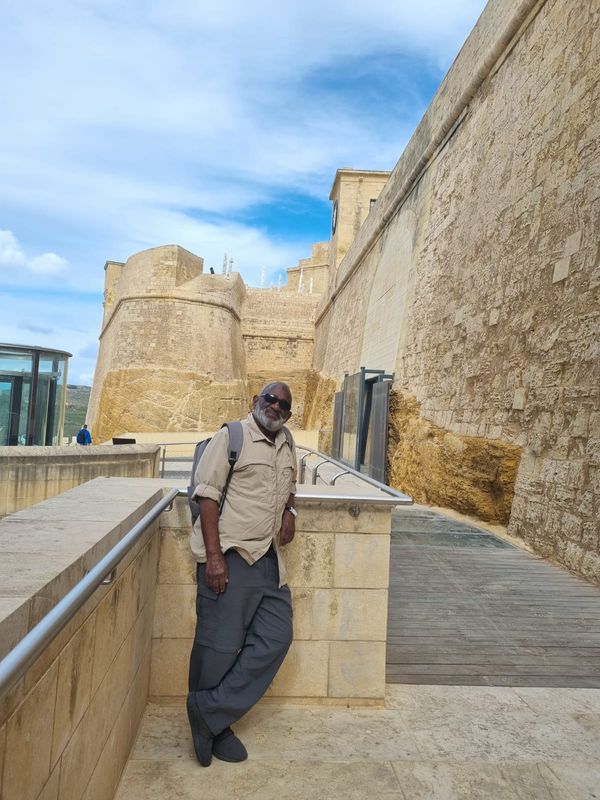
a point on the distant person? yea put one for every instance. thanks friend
(84, 436)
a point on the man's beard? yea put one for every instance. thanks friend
(272, 425)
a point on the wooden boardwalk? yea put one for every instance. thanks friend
(466, 607)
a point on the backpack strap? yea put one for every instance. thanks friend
(236, 441)
(288, 437)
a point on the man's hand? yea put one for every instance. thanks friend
(215, 575)
(288, 528)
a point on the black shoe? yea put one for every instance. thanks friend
(201, 734)
(228, 747)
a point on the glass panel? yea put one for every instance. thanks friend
(22, 432)
(60, 373)
(5, 392)
(43, 400)
(15, 392)
(15, 362)
(352, 392)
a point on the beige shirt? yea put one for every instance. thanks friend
(263, 478)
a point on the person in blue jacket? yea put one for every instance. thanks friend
(84, 436)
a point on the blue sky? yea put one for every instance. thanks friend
(217, 126)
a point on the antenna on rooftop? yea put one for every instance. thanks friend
(230, 267)
(224, 268)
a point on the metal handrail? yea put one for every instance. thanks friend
(346, 469)
(316, 470)
(14, 665)
(402, 499)
(339, 475)
(163, 455)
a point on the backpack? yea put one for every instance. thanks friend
(81, 437)
(236, 441)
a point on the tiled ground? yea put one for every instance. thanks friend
(430, 742)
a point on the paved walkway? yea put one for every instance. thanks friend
(429, 743)
(466, 607)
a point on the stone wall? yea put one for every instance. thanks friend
(314, 272)
(29, 475)
(184, 351)
(67, 727)
(171, 352)
(353, 193)
(338, 569)
(278, 335)
(475, 279)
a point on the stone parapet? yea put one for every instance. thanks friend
(67, 726)
(338, 569)
(29, 475)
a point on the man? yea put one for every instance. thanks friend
(243, 605)
(84, 437)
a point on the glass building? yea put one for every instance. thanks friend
(33, 383)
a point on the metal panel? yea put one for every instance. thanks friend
(379, 430)
(338, 419)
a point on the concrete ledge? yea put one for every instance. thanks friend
(31, 474)
(67, 727)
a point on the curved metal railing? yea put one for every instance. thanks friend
(394, 496)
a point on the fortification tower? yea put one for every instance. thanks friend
(169, 334)
(353, 194)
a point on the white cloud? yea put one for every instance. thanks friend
(12, 256)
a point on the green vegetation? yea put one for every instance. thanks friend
(76, 408)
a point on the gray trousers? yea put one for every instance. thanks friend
(242, 637)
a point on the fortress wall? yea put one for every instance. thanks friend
(170, 359)
(314, 269)
(160, 269)
(476, 279)
(278, 334)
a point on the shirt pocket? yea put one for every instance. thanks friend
(286, 482)
(254, 476)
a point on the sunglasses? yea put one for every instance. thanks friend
(271, 400)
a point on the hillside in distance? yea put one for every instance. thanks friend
(76, 408)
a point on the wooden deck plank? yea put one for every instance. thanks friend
(465, 607)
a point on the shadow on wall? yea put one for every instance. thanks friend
(468, 473)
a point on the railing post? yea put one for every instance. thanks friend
(316, 470)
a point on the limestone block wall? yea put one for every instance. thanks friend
(353, 191)
(314, 271)
(171, 352)
(29, 475)
(67, 727)
(475, 279)
(338, 569)
(278, 335)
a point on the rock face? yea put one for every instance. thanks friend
(471, 474)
